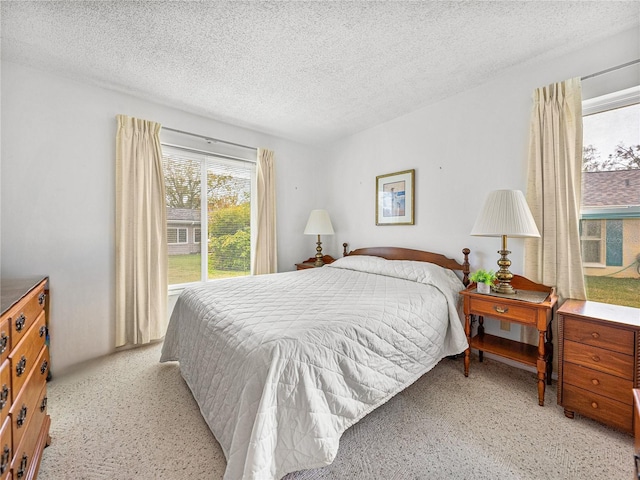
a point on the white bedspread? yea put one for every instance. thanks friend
(281, 365)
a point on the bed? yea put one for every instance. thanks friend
(281, 365)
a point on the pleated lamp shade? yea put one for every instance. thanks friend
(505, 212)
(319, 223)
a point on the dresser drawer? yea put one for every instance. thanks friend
(27, 456)
(26, 313)
(5, 390)
(599, 359)
(493, 307)
(23, 357)
(6, 451)
(599, 335)
(598, 382)
(26, 406)
(5, 338)
(602, 409)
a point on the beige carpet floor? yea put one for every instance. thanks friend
(128, 416)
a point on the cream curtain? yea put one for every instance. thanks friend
(554, 190)
(265, 255)
(141, 233)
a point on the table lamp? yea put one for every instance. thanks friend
(319, 223)
(505, 214)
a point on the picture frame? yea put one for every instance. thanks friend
(395, 199)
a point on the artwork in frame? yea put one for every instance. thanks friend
(395, 203)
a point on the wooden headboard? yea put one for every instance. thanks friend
(396, 253)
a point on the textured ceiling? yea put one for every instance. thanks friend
(307, 71)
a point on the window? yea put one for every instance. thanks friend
(591, 241)
(176, 235)
(610, 207)
(206, 189)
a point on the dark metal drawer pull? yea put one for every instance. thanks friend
(21, 366)
(23, 466)
(43, 367)
(20, 321)
(22, 416)
(4, 396)
(43, 405)
(43, 331)
(4, 462)
(4, 340)
(41, 298)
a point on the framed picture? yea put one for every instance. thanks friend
(395, 199)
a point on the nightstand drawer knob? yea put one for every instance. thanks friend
(594, 404)
(595, 335)
(595, 381)
(595, 358)
(501, 309)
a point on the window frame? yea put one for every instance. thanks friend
(206, 159)
(178, 242)
(602, 239)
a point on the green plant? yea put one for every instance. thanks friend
(483, 276)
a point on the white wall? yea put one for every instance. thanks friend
(58, 196)
(462, 148)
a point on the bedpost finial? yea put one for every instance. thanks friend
(466, 267)
(344, 249)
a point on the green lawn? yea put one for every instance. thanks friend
(186, 268)
(620, 291)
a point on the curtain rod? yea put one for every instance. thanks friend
(617, 67)
(211, 139)
(204, 152)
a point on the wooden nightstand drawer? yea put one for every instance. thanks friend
(599, 335)
(493, 307)
(598, 407)
(600, 359)
(600, 383)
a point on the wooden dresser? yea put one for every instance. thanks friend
(24, 360)
(598, 361)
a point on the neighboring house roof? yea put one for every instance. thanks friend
(611, 189)
(183, 215)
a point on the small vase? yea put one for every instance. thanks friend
(483, 288)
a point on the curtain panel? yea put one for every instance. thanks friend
(554, 185)
(554, 188)
(265, 254)
(141, 233)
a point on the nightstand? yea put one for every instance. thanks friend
(598, 361)
(532, 306)
(311, 262)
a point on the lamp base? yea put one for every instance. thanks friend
(503, 275)
(319, 262)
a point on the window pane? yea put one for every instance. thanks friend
(182, 190)
(229, 213)
(592, 228)
(591, 251)
(196, 234)
(611, 182)
(172, 235)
